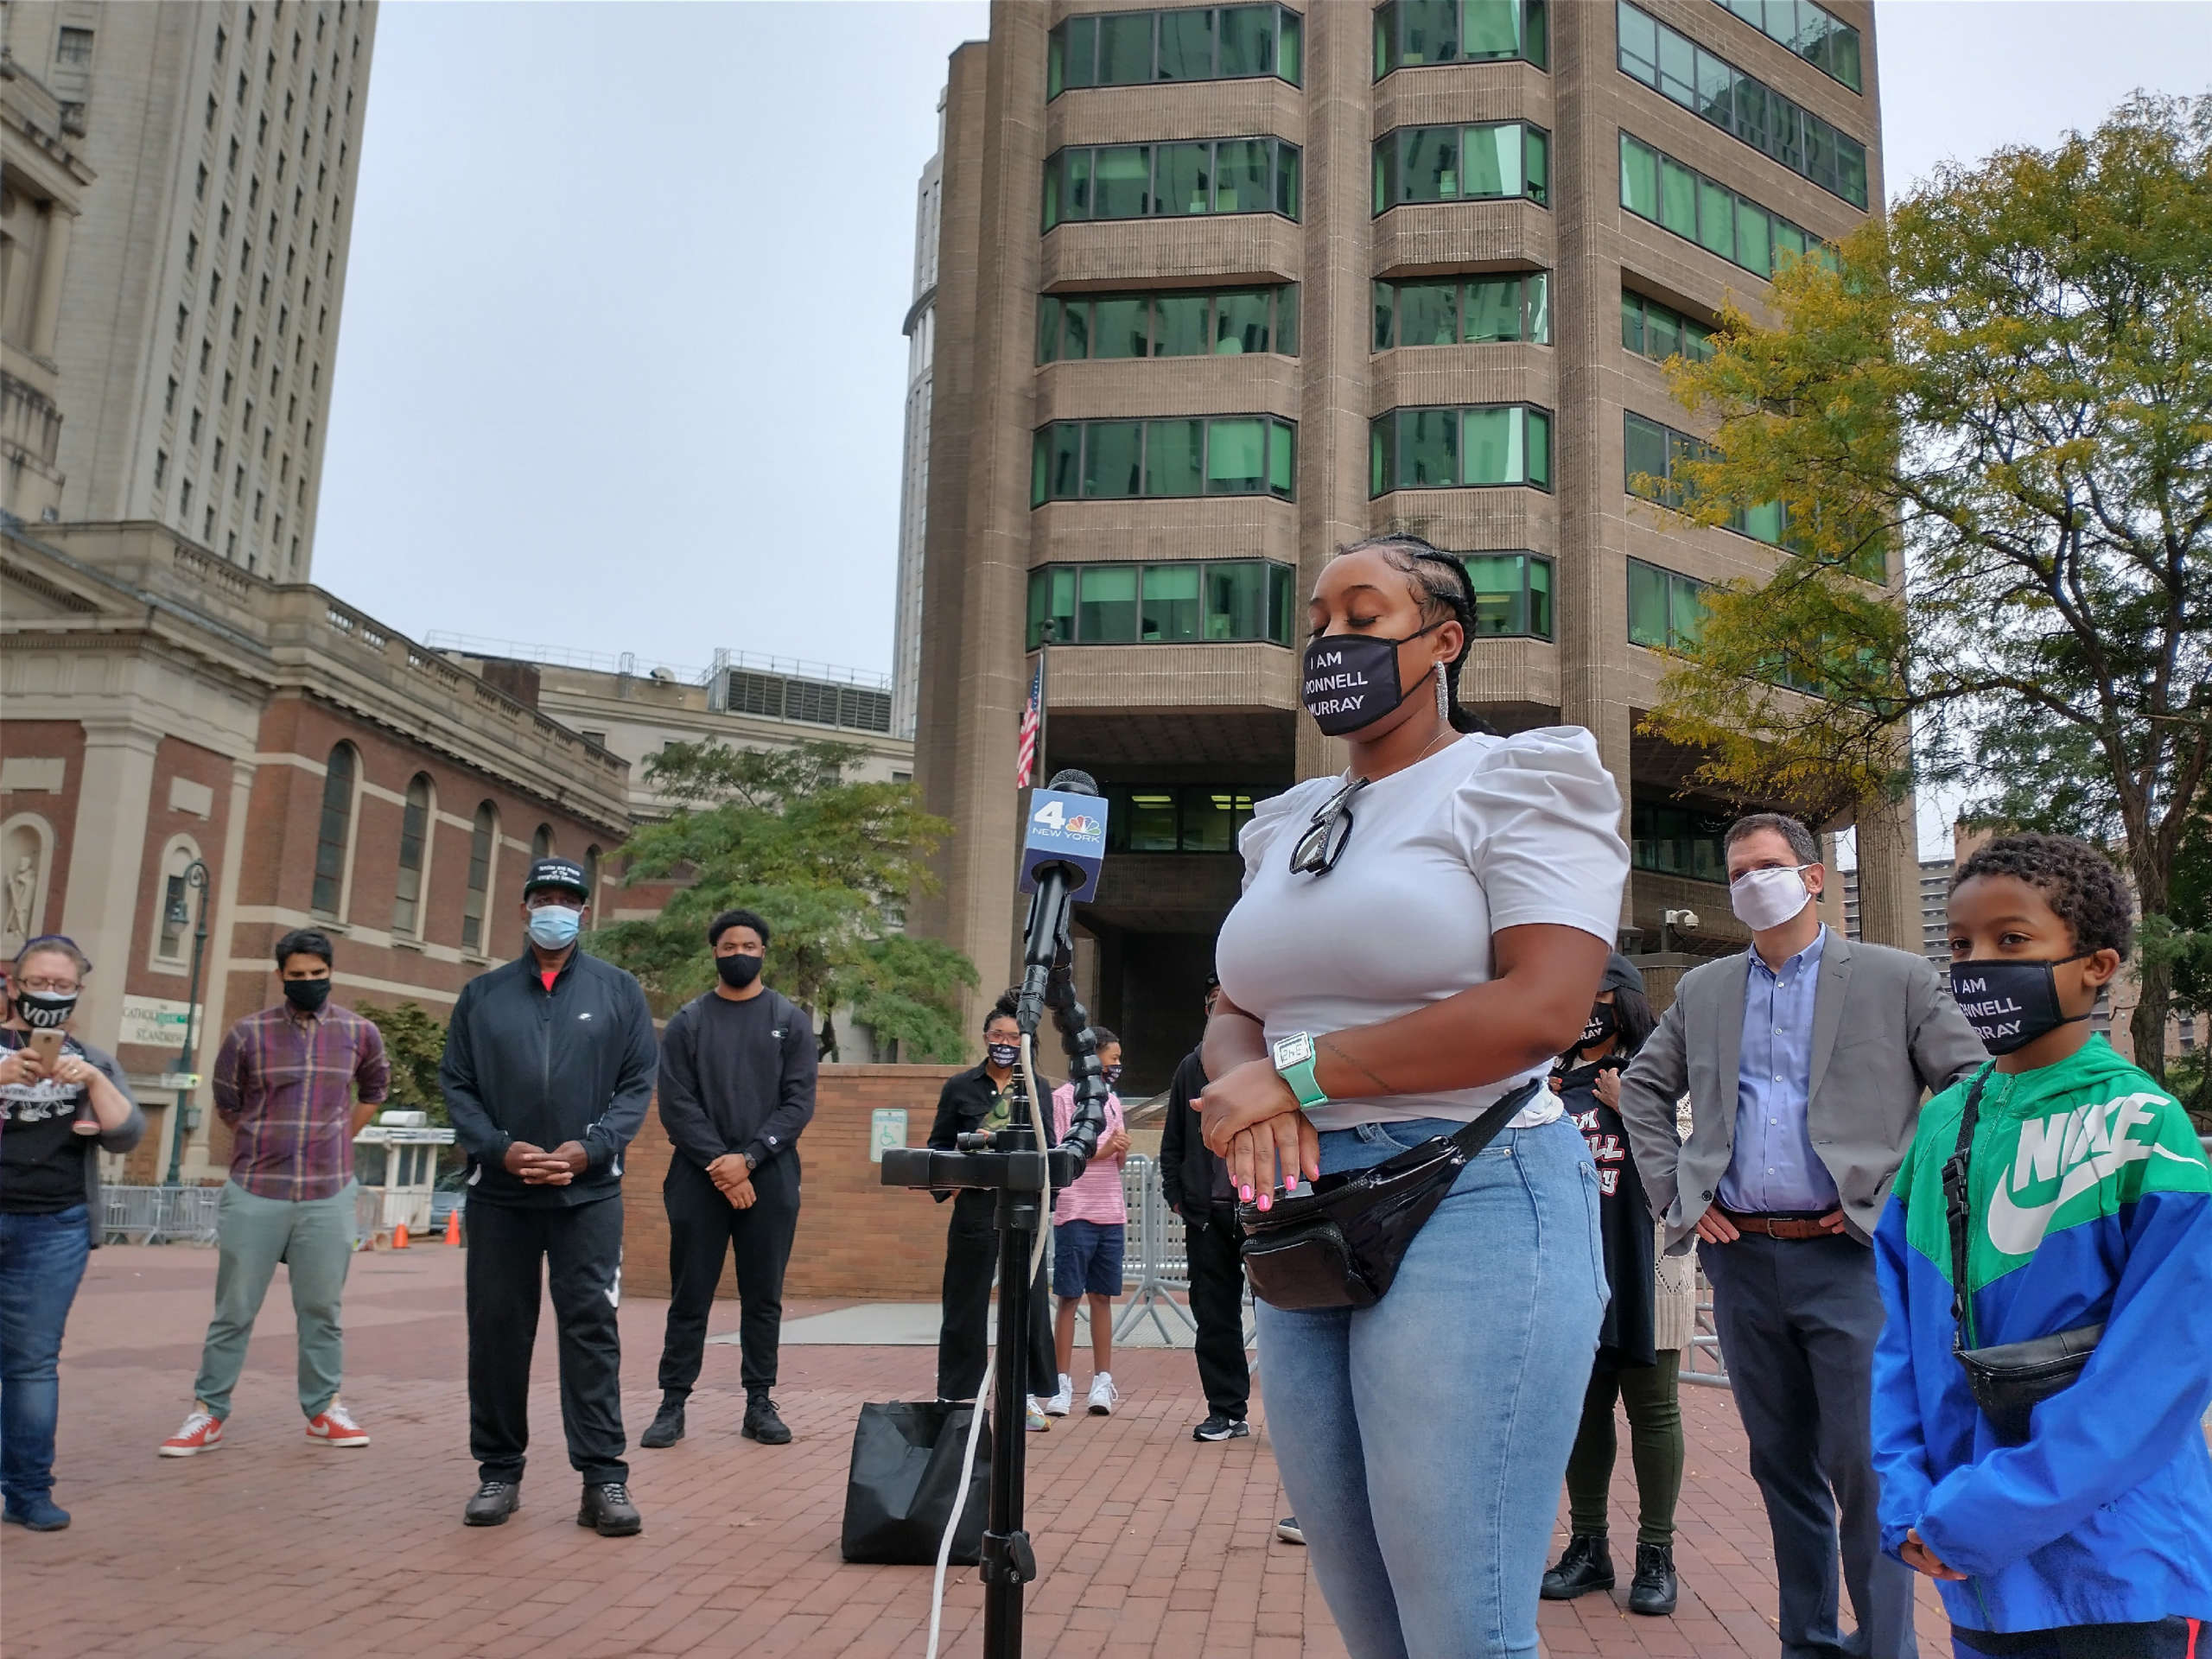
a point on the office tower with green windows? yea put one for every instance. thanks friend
(1220, 288)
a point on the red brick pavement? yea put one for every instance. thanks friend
(1150, 1543)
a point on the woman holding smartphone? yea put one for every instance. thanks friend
(1416, 940)
(61, 1099)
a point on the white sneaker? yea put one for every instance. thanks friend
(1039, 1422)
(1103, 1394)
(1060, 1403)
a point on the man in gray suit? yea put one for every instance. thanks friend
(1805, 1059)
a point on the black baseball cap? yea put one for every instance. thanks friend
(1621, 975)
(555, 873)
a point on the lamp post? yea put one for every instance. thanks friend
(195, 876)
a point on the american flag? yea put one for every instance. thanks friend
(1033, 716)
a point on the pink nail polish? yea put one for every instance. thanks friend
(1266, 1203)
(1248, 1195)
(1290, 1184)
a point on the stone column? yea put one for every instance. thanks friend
(107, 848)
(215, 976)
(52, 262)
(1889, 875)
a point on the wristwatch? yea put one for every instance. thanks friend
(751, 1162)
(1293, 1058)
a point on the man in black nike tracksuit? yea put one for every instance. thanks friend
(548, 1069)
(737, 1076)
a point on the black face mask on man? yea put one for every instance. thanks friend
(307, 995)
(737, 970)
(1351, 679)
(2011, 1003)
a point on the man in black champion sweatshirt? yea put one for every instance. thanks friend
(737, 1074)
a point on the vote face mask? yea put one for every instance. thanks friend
(1351, 679)
(555, 926)
(1111, 1073)
(1766, 899)
(1002, 1054)
(738, 972)
(45, 1011)
(2009, 1003)
(307, 995)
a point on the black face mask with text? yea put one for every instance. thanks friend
(2011, 1003)
(1351, 679)
(45, 1011)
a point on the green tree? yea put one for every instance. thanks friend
(414, 1042)
(2002, 394)
(828, 862)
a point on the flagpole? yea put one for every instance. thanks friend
(1043, 720)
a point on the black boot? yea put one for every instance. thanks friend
(607, 1509)
(668, 1424)
(1652, 1591)
(493, 1502)
(762, 1424)
(1584, 1567)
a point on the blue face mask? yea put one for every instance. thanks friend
(554, 928)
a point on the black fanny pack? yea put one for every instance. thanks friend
(2010, 1380)
(1338, 1243)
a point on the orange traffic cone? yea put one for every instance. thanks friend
(400, 1237)
(453, 1226)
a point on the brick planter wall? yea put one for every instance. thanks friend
(858, 1241)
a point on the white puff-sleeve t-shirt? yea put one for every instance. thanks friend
(1491, 833)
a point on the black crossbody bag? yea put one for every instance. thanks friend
(2010, 1380)
(1338, 1243)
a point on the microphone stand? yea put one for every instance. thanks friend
(1023, 1174)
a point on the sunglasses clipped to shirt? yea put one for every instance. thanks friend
(1316, 852)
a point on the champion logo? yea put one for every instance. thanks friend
(585, 1015)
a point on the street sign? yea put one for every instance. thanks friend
(886, 1129)
(184, 1080)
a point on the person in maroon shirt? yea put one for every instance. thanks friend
(295, 1082)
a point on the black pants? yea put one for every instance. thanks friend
(1216, 1254)
(971, 1250)
(2168, 1639)
(582, 1251)
(1798, 1319)
(704, 1228)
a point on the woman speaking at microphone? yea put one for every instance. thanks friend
(1416, 939)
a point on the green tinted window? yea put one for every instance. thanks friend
(1247, 42)
(1125, 48)
(1429, 314)
(1236, 599)
(1446, 449)
(1183, 183)
(1281, 595)
(1494, 309)
(1282, 459)
(1716, 218)
(1709, 213)
(1428, 448)
(1286, 336)
(1752, 229)
(1106, 608)
(1647, 604)
(1131, 49)
(1228, 176)
(1240, 322)
(1409, 34)
(1290, 49)
(1646, 455)
(1186, 46)
(1236, 457)
(1179, 324)
(1678, 198)
(1152, 821)
(1242, 175)
(1662, 456)
(1540, 448)
(1052, 599)
(1112, 458)
(1171, 603)
(1120, 328)
(1631, 322)
(1174, 457)
(1539, 597)
(1493, 160)
(1512, 594)
(1496, 161)
(1639, 178)
(1121, 180)
(1823, 39)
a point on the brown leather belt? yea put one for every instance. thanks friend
(1787, 1227)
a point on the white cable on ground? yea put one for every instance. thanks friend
(991, 1370)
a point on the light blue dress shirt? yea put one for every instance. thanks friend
(1774, 1169)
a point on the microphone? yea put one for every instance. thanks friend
(1062, 848)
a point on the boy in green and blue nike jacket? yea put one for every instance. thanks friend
(2089, 1203)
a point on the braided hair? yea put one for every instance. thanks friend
(1444, 592)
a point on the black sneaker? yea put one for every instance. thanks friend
(607, 1507)
(668, 1424)
(494, 1501)
(1652, 1591)
(1583, 1568)
(1221, 1427)
(762, 1424)
(1289, 1531)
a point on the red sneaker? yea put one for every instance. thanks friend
(334, 1426)
(200, 1433)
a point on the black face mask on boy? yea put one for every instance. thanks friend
(2009, 1003)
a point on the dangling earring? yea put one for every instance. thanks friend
(1443, 696)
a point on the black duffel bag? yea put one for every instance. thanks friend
(904, 1476)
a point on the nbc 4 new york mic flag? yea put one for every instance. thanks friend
(1033, 716)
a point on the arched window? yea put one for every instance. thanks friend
(414, 839)
(334, 833)
(173, 926)
(591, 869)
(482, 840)
(541, 845)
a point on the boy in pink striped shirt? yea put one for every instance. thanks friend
(1089, 1223)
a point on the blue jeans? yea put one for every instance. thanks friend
(1422, 1441)
(41, 1263)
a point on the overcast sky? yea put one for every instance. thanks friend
(621, 369)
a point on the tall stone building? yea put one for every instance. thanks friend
(1220, 290)
(199, 325)
(920, 329)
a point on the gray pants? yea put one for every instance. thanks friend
(1797, 1320)
(314, 1241)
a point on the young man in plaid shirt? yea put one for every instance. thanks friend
(295, 1082)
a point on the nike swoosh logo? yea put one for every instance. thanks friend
(2016, 1229)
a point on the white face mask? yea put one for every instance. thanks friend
(1766, 899)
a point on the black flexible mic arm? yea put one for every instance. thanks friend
(1048, 981)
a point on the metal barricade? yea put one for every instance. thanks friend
(1704, 1345)
(159, 1215)
(1161, 1267)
